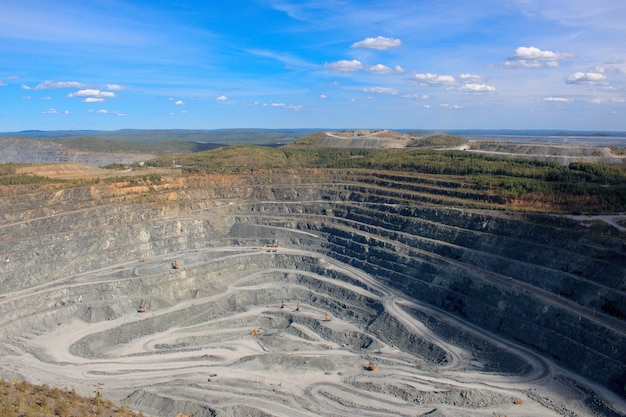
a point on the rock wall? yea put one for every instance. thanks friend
(32, 151)
(546, 283)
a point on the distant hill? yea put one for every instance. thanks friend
(222, 136)
(379, 139)
(37, 151)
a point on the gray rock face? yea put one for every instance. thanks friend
(33, 151)
(546, 283)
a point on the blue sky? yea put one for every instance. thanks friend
(185, 64)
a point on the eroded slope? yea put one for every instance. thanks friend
(460, 309)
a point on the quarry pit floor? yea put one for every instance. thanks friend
(266, 344)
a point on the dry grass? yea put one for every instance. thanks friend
(22, 399)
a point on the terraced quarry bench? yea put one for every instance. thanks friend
(290, 283)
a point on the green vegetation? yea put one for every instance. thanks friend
(9, 176)
(577, 187)
(438, 141)
(21, 399)
(97, 144)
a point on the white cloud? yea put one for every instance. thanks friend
(450, 106)
(477, 88)
(26, 87)
(379, 69)
(470, 78)
(381, 90)
(345, 65)
(179, 102)
(93, 100)
(415, 97)
(2, 84)
(383, 69)
(616, 100)
(585, 78)
(294, 107)
(115, 87)
(55, 111)
(557, 99)
(532, 57)
(90, 92)
(48, 85)
(323, 96)
(221, 98)
(434, 79)
(112, 112)
(379, 42)
(46, 98)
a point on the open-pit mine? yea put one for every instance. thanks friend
(334, 292)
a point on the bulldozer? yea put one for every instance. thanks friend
(255, 332)
(142, 308)
(373, 366)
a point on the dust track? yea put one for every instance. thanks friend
(320, 324)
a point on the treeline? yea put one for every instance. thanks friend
(9, 175)
(577, 187)
(167, 147)
(437, 141)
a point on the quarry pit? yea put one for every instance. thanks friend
(317, 293)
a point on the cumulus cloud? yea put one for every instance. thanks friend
(469, 83)
(115, 87)
(379, 42)
(532, 57)
(90, 92)
(450, 106)
(345, 65)
(585, 78)
(26, 87)
(323, 96)
(557, 99)
(294, 107)
(434, 79)
(179, 102)
(55, 111)
(470, 78)
(379, 69)
(416, 97)
(381, 90)
(112, 112)
(477, 88)
(93, 100)
(383, 69)
(221, 98)
(615, 100)
(50, 85)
